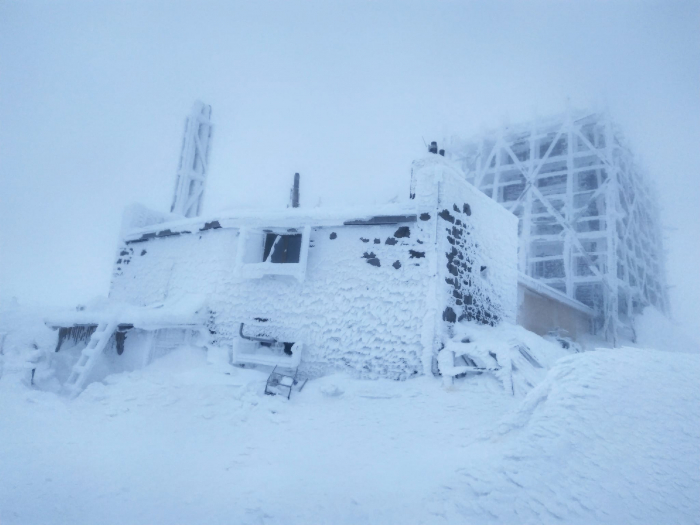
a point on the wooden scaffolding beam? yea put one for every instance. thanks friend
(589, 224)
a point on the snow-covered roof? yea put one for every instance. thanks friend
(285, 218)
(186, 311)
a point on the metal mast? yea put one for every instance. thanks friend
(192, 172)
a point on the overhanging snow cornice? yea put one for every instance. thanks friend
(188, 312)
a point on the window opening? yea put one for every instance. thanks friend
(282, 248)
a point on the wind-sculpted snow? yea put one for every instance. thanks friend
(611, 436)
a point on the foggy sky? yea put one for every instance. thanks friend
(93, 97)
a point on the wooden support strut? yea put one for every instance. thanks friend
(631, 242)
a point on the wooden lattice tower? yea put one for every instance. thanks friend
(589, 223)
(192, 172)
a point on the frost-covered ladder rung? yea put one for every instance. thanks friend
(89, 356)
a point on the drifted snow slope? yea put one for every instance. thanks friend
(186, 441)
(611, 436)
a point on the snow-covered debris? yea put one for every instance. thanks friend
(517, 358)
(611, 436)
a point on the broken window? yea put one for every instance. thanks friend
(271, 251)
(281, 248)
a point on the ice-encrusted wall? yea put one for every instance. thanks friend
(376, 300)
(480, 246)
(477, 246)
(360, 308)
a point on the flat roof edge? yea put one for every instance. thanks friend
(546, 290)
(275, 219)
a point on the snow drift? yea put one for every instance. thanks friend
(611, 436)
(608, 436)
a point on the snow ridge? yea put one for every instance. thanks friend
(608, 437)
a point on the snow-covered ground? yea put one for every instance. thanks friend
(187, 442)
(611, 436)
(607, 436)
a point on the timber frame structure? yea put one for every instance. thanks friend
(588, 219)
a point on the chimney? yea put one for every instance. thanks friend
(433, 147)
(294, 196)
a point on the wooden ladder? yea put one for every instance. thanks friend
(89, 356)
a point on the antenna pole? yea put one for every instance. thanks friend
(191, 175)
(294, 195)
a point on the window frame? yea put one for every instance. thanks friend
(264, 265)
(270, 248)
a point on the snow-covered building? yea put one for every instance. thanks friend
(372, 291)
(588, 218)
(375, 291)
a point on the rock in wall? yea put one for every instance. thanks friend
(477, 240)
